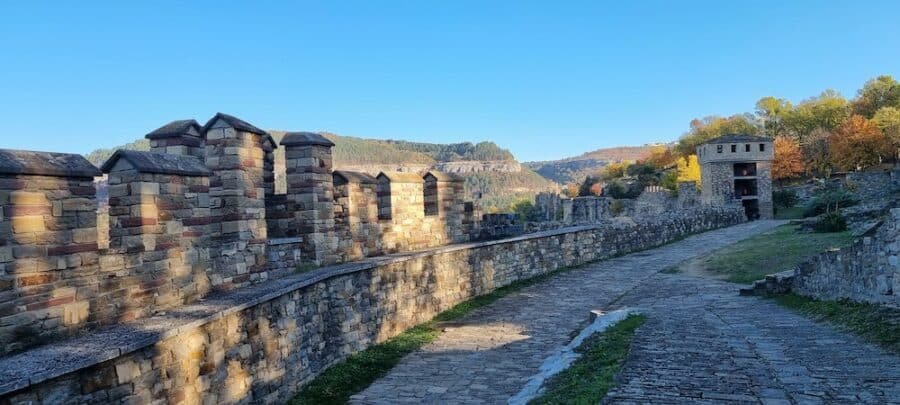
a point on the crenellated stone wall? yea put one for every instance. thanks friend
(262, 343)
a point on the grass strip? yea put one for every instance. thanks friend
(336, 384)
(590, 377)
(875, 323)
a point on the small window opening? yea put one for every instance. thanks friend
(431, 198)
(718, 148)
(762, 147)
(733, 148)
(747, 148)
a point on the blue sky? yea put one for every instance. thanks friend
(544, 79)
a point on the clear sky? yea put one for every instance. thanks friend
(546, 79)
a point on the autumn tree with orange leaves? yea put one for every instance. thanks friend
(788, 162)
(858, 144)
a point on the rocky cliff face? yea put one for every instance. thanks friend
(468, 167)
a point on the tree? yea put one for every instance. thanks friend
(660, 157)
(772, 111)
(689, 169)
(585, 189)
(615, 170)
(858, 144)
(788, 162)
(714, 127)
(827, 111)
(571, 190)
(880, 92)
(887, 119)
(596, 189)
(816, 153)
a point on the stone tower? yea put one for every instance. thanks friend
(737, 169)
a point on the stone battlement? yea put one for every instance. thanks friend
(195, 215)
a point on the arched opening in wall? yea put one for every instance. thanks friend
(430, 196)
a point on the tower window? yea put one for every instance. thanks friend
(747, 148)
(733, 148)
(762, 147)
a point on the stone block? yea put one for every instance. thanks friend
(28, 198)
(28, 224)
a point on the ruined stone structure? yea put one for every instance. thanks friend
(259, 344)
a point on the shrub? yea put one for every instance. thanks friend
(525, 210)
(617, 207)
(835, 198)
(831, 221)
(784, 198)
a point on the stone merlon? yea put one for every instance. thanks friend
(16, 162)
(158, 163)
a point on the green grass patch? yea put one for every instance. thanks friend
(591, 376)
(305, 268)
(336, 384)
(875, 323)
(789, 213)
(772, 252)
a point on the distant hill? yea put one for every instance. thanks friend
(490, 171)
(575, 169)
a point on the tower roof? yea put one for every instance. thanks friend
(737, 138)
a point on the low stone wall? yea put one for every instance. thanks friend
(261, 343)
(867, 271)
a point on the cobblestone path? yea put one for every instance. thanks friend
(701, 342)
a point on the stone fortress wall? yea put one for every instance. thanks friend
(196, 214)
(260, 344)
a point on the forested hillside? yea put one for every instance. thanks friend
(577, 168)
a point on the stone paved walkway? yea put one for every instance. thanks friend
(701, 342)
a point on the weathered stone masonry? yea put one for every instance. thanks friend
(866, 271)
(190, 217)
(49, 260)
(261, 343)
